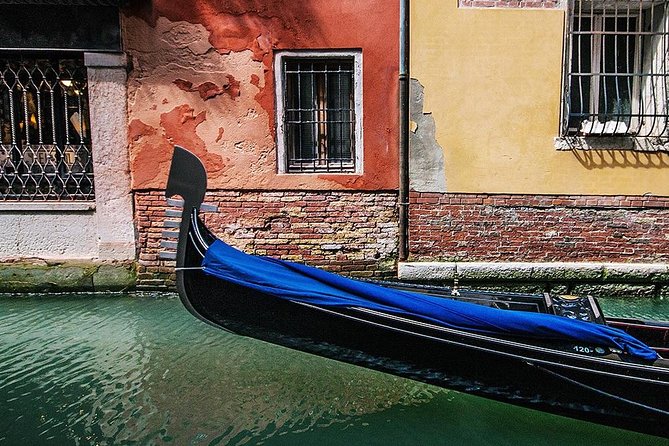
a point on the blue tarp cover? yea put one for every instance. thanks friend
(296, 282)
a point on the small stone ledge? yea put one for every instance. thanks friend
(47, 206)
(39, 275)
(652, 277)
(512, 4)
(105, 60)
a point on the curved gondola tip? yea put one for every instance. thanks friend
(187, 177)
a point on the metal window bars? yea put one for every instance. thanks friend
(319, 115)
(616, 79)
(45, 148)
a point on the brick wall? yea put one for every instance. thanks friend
(544, 4)
(481, 227)
(354, 233)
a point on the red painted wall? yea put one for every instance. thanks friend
(202, 76)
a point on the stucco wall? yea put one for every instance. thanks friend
(48, 234)
(202, 77)
(492, 82)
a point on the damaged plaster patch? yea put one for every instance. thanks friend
(177, 98)
(209, 90)
(232, 87)
(426, 156)
(221, 130)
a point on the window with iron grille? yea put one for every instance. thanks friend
(45, 151)
(319, 106)
(617, 77)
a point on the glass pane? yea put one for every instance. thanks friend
(617, 67)
(581, 69)
(340, 102)
(319, 114)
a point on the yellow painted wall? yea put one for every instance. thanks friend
(492, 80)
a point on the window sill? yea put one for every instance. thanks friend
(48, 206)
(625, 143)
(319, 173)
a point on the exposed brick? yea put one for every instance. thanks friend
(539, 228)
(359, 230)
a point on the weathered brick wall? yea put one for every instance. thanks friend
(544, 4)
(152, 272)
(481, 227)
(354, 233)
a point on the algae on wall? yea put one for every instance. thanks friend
(41, 276)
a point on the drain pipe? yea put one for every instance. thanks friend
(403, 238)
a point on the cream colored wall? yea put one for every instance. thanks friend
(492, 80)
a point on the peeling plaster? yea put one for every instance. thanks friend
(173, 104)
(221, 131)
(207, 90)
(426, 156)
(217, 60)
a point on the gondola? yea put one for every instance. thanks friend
(552, 353)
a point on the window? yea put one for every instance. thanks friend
(319, 105)
(617, 73)
(45, 150)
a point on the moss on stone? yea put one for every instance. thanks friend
(42, 276)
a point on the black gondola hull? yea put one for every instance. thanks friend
(503, 372)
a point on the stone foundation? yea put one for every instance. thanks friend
(38, 275)
(478, 238)
(603, 244)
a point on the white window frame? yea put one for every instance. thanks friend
(280, 88)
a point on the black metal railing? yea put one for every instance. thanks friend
(319, 115)
(617, 76)
(45, 146)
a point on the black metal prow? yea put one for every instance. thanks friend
(187, 178)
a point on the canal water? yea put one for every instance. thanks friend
(140, 370)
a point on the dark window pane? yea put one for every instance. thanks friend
(60, 27)
(581, 67)
(617, 66)
(319, 115)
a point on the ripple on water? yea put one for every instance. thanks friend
(140, 370)
(641, 308)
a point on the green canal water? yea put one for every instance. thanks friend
(139, 369)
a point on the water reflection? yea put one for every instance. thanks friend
(140, 370)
